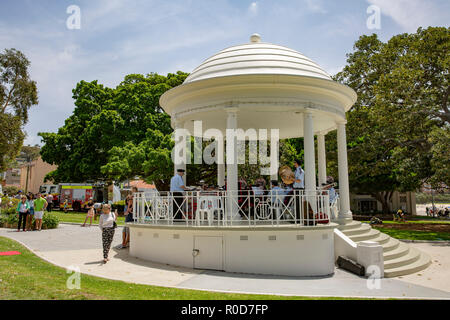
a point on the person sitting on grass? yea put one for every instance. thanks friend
(399, 216)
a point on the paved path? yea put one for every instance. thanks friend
(72, 245)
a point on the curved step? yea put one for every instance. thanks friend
(412, 256)
(392, 244)
(423, 262)
(352, 225)
(382, 238)
(401, 250)
(371, 234)
(363, 228)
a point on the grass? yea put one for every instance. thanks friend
(26, 276)
(415, 222)
(414, 235)
(78, 217)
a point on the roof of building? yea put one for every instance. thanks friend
(257, 57)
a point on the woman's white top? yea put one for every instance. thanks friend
(106, 220)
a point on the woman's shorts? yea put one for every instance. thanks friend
(38, 214)
(31, 211)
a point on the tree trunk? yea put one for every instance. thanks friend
(162, 185)
(385, 198)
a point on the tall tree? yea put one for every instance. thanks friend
(402, 88)
(17, 94)
(112, 131)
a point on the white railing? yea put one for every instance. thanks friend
(227, 208)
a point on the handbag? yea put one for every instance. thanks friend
(114, 222)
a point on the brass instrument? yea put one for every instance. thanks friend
(287, 175)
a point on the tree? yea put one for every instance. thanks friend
(402, 88)
(17, 94)
(112, 133)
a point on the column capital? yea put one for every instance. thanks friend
(232, 108)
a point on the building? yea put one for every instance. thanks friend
(36, 174)
(368, 204)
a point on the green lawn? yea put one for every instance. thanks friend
(415, 222)
(78, 217)
(414, 235)
(26, 276)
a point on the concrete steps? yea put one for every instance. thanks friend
(422, 263)
(369, 235)
(363, 228)
(399, 258)
(351, 225)
(392, 244)
(412, 255)
(401, 250)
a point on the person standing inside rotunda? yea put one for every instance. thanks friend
(299, 186)
(177, 189)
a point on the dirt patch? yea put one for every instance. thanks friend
(429, 227)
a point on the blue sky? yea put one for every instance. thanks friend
(117, 37)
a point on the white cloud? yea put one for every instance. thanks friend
(411, 14)
(253, 8)
(315, 6)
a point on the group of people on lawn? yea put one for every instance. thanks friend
(28, 207)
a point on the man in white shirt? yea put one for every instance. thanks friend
(177, 189)
(299, 186)
(299, 182)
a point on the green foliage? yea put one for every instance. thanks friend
(114, 134)
(17, 94)
(424, 198)
(10, 190)
(402, 88)
(49, 221)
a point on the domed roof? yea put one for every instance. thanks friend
(257, 57)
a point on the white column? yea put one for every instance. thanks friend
(274, 176)
(310, 157)
(232, 165)
(321, 158)
(180, 163)
(344, 190)
(220, 163)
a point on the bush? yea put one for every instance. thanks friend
(12, 220)
(9, 211)
(49, 221)
(119, 205)
(9, 203)
(3, 220)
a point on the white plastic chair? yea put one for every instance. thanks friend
(207, 207)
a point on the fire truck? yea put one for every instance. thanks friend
(74, 196)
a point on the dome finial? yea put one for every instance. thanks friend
(255, 38)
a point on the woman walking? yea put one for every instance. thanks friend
(22, 209)
(107, 225)
(90, 213)
(31, 212)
